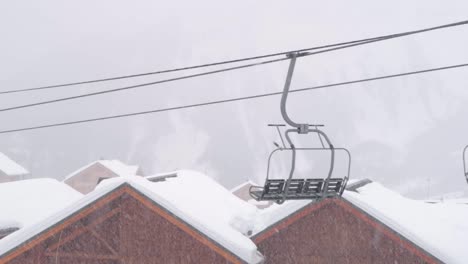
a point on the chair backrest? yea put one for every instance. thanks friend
(274, 187)
(304, 187)
(342, 164)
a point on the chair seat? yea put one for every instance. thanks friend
(298, 189)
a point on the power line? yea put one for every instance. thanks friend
(235, 60)
(234, 99)
(334, 48)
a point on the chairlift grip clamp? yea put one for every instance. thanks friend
(296, 54)
(303, 129)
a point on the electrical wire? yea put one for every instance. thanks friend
(233, 99)
(235, 60)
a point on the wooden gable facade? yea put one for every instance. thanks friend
(124, 226)
(86, 180)
(336, 231)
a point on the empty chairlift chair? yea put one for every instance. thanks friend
(292, 188)
(301, 188)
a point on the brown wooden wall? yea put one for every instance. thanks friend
(335, 232)
(127, 228)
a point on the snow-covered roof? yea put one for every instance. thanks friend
(23, 203)
(246, 184)
(191, 196)
(441, 229)
(11, 168)
(116, 166)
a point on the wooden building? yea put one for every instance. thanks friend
(336, 231)
(125, 222)
(185, 217)
(88, 177)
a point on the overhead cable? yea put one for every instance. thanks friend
(384, 37)
(232, 99)
(354, 44)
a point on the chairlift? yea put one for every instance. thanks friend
(280, 190)
(465, 172)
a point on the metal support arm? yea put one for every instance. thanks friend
(284, 97)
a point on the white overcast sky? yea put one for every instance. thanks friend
(407, 133)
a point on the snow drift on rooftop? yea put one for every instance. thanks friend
(26, 202)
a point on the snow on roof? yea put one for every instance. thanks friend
(191, 196)
(453, 201)
(457, 201)
(161, 176)
(243, 185)
(23, 203)
(242, 191)
(116, 166)
(259, 203)
(441, 229)
(9, 167)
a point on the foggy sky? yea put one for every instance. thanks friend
(406, 133)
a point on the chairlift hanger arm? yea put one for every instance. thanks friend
(284, 96)
(302, 128)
